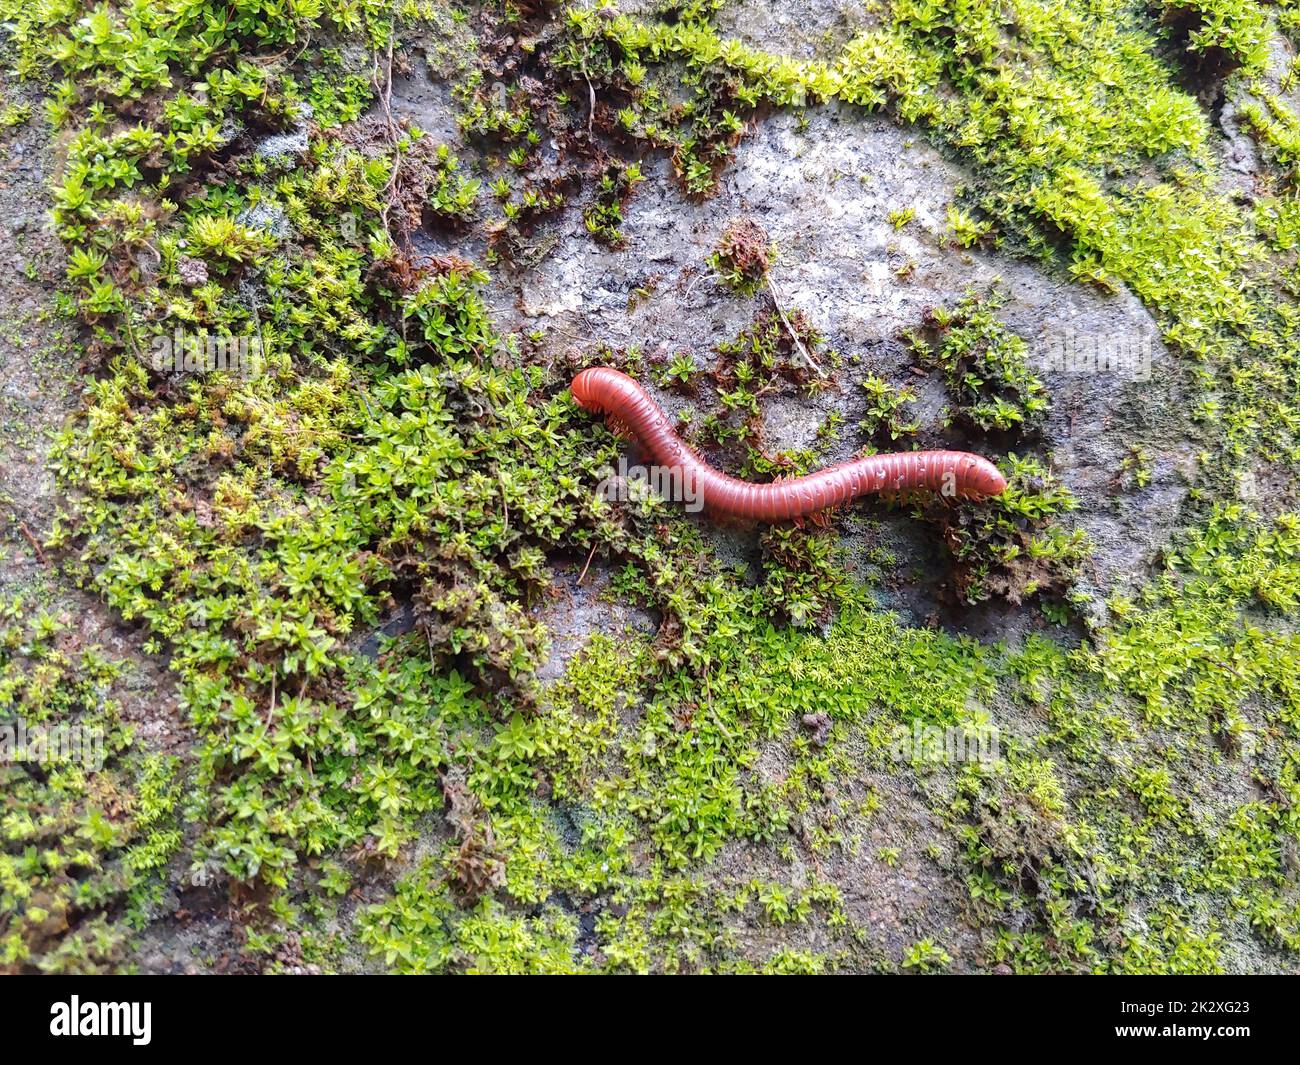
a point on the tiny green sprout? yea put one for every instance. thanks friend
(682, 368)
(925, 956)
(966, 229)
(86, 263)
(1135, 467)
(14, 114)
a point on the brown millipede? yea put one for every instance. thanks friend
(629, 410)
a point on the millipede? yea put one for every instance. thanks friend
(630, 411)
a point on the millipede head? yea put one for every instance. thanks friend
(984, 479)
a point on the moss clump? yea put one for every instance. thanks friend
(886, 421)
(605, 213)
(743, 256)
(1224, 35)
(985, 365)
(776, 351)
(88, 820)
(1013, 546)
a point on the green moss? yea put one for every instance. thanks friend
(1227, 33)
(886, 421)
(985, 365)
(743, 257)
(1276, 127)
(394, 460)
(88, 819)
(605, 214)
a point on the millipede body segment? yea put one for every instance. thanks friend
(630, 410)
